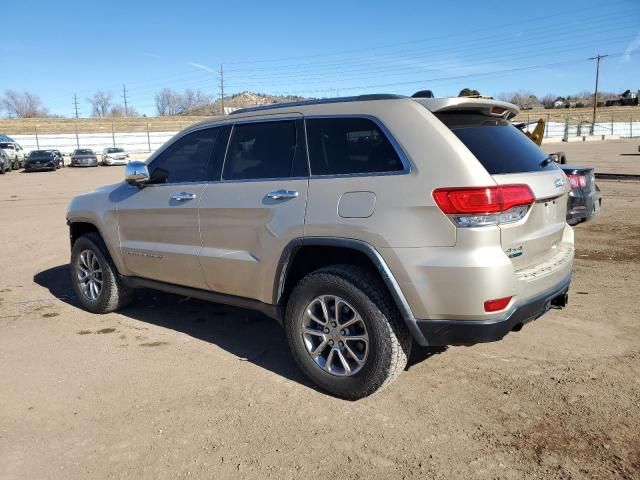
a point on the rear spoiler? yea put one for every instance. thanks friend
(489, 107)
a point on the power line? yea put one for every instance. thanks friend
(597, 58)
(492, 28)
(375, 64)
(457, 62)
(512, 53)
(442, 46)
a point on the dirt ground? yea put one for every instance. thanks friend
(177, 388)
(611, 156)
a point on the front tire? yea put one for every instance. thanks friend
(95, 280)
(345, 332)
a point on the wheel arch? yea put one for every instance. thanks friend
(82, 226)
(304, 255)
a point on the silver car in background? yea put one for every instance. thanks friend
(114, 156)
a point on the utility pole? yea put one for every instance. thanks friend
(597, 58)
(222, 88)
(124, 96)
(75, 103)
(75, 122)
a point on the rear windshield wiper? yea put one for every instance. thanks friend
(546, 161)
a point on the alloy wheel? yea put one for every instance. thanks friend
(89, 274)
(335, 335)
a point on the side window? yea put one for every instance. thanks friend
(349, 145)
(261, 150)
(188, 158)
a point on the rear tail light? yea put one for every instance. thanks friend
(576, 180)
(497, 304)
(480, 206)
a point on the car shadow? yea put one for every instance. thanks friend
(248, 335)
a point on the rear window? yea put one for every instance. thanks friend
(498, 145)
(349, 146)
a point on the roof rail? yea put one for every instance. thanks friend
(320, 101)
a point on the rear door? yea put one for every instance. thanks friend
(248, 217)
(512, 158)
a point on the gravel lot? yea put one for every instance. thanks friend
(174, 387)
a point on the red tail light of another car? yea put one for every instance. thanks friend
(576, 180)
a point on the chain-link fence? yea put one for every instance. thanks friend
(136, 135)
(139, 135)
(564, 126)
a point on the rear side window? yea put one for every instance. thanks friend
(349, 145)
(261, 150)
(498, 145)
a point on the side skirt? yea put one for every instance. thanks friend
(272, 311)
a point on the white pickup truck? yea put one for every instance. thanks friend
(15, 153)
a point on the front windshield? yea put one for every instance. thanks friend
(40, 153)
(83, 152)
(115, 150)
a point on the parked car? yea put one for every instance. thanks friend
(15, 153)
(114, 156)
(84, 157)
(43, 160)
(5, 163)
(361, 224)
(585, 198)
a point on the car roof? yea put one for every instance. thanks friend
(324, 107)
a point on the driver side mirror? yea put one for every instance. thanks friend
(136, 173)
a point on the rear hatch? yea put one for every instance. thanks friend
(511, 158)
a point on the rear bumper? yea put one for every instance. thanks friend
(581, 207)
(469, 332)
(33, 168)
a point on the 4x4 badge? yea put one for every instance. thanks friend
(559, 182)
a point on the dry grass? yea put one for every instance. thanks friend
(604, 114)
(173, 124)
(26, 126)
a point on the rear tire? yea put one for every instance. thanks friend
(95, 279)
(357, 294)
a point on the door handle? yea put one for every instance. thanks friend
(183, 196)
(282, 194)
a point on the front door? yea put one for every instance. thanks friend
(259, 206)
(158, 224)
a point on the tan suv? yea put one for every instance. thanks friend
(361, 224)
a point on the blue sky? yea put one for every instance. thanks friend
(56, 49)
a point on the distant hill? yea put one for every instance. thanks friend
(243, 100)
